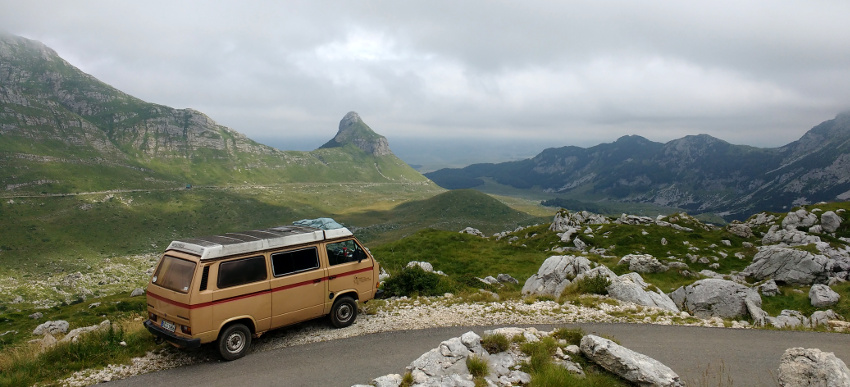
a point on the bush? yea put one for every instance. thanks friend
(571, 335)
(495, 343)
(413, 281)
(477, 366)
(597, 284)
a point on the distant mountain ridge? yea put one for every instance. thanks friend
(64, 131)
(697, 173)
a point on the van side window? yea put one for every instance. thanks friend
(296, 261)
(241, 271)
(345, 251)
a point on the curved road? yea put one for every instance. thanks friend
(749, 357)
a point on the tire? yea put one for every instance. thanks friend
(234, 342)
(344, 312)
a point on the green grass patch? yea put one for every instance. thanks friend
(495, 343)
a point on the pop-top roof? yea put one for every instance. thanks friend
(217, 246)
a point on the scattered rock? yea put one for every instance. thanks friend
(821, 317)
(812, 367)
(506, 279)
(788, 319)
(740, 229)
(74, 334)
(137, 292)
(830, 221)
(630, 365)
(632, 288)
(822, 296)
(36, 315)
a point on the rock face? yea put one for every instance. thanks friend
(630, 365)
(352, 130)
(715, 298)
(812, 367)
(822, 296)
(555, 274)
(788, 265)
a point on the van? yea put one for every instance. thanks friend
(227, 289)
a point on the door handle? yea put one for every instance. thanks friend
(315, 281)
(332, 277)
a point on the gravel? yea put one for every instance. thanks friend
(405, 314)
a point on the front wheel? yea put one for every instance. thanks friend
(234, 342)
(343, 312)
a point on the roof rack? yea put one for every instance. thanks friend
(217, 246)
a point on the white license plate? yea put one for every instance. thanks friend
(168, 325)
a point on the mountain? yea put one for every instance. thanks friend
(699, 173)
(64, 131)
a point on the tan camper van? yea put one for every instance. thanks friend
(229, 288)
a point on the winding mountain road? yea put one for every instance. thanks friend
(747, 357)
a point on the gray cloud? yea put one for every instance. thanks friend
(579, 73)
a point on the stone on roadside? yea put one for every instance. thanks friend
(812, 367)
(627, 364)
(554, 275)
(715, 298)
(822, 296)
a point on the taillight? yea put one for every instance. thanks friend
(186, 330)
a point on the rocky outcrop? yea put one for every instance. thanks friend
(635, 367)
(788, 319)
(788, 265)
(565, 220)
(715, 298)
(473, 231)
(812, 367)
(352, 130)
(555, 274)
(52, 327)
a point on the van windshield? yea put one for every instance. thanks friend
(174, 273)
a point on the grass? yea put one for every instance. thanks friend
(495, 343)
(544, 372)
(25, 365)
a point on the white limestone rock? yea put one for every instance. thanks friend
(812, 367)
(715, 298)
(630, 365)
(822, 296)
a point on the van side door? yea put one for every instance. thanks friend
(298, 286)
(243, 290)
(350, 267)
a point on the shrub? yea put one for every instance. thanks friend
(477, 366)
(597, 284)
(571, 335)
(413, 281)
(495, 343)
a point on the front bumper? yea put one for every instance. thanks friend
(170, 337)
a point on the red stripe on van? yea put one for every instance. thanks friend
(277, 289)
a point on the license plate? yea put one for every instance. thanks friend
(168, 325)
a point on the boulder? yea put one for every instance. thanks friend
(627, 364)
(740, 229)
(75, 333)
(567, 235)
(52, 327)
(799, 218)
(391, 380)
(506, 279)
(715, 298)
(137, 292)
(579, 244)
(758, 315)
(812, 367)
(822, 317)
(565, 219)
(788, 265)
(822, 296)
(789, 319)
(643, 263)
(769, 288)
(632, 288)
(473, 231)
(555, 274)
(830, 221)
(790, 237)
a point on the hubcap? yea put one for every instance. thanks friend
(235, 342)
(343, 313)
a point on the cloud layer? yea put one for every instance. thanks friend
(578, 73)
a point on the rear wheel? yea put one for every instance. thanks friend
(234, 342)
(343, 312)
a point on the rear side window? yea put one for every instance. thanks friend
(296, 261)
(241, 271)
(174, 273)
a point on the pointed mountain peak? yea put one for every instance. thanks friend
(352, 130)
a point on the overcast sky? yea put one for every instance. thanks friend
(571, 73)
